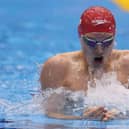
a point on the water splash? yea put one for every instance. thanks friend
(109, 92)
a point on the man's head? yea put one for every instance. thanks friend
(97, 31)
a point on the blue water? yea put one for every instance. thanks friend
(31, 31)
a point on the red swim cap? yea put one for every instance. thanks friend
(96, 19)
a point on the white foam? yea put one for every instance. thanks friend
(109, 92)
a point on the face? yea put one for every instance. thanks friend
(97, 47)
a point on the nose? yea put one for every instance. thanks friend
(99, 49)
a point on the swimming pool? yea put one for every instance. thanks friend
(30, 32)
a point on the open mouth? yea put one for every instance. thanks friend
(98, 60)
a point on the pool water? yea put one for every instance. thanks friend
(31, 32)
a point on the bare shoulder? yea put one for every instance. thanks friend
(124, 60)
(122, 65)
(55, 69)
(120, 55)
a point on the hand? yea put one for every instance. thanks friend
(111, 114)
(100, 113)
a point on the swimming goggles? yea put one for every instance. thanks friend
(92, 42)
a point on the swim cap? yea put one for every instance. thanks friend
(96, 19)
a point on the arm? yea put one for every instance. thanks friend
(94, 113)
(53, 75)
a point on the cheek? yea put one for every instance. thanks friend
(107, 51)
(84, 47)
(89, 51)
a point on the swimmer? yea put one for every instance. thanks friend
(73, 70)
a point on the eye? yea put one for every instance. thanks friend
(107, 42)
(90, 42)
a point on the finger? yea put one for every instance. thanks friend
(94, 109)
(98, 116)
(110, 115)
(95, 112)
(89, 111)
(105, 119)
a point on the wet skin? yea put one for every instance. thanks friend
(74, 70)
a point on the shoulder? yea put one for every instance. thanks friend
(124, 56)
(120, 55)
(121, 59)
(122, 65)
(55, 69)
(61, 59)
